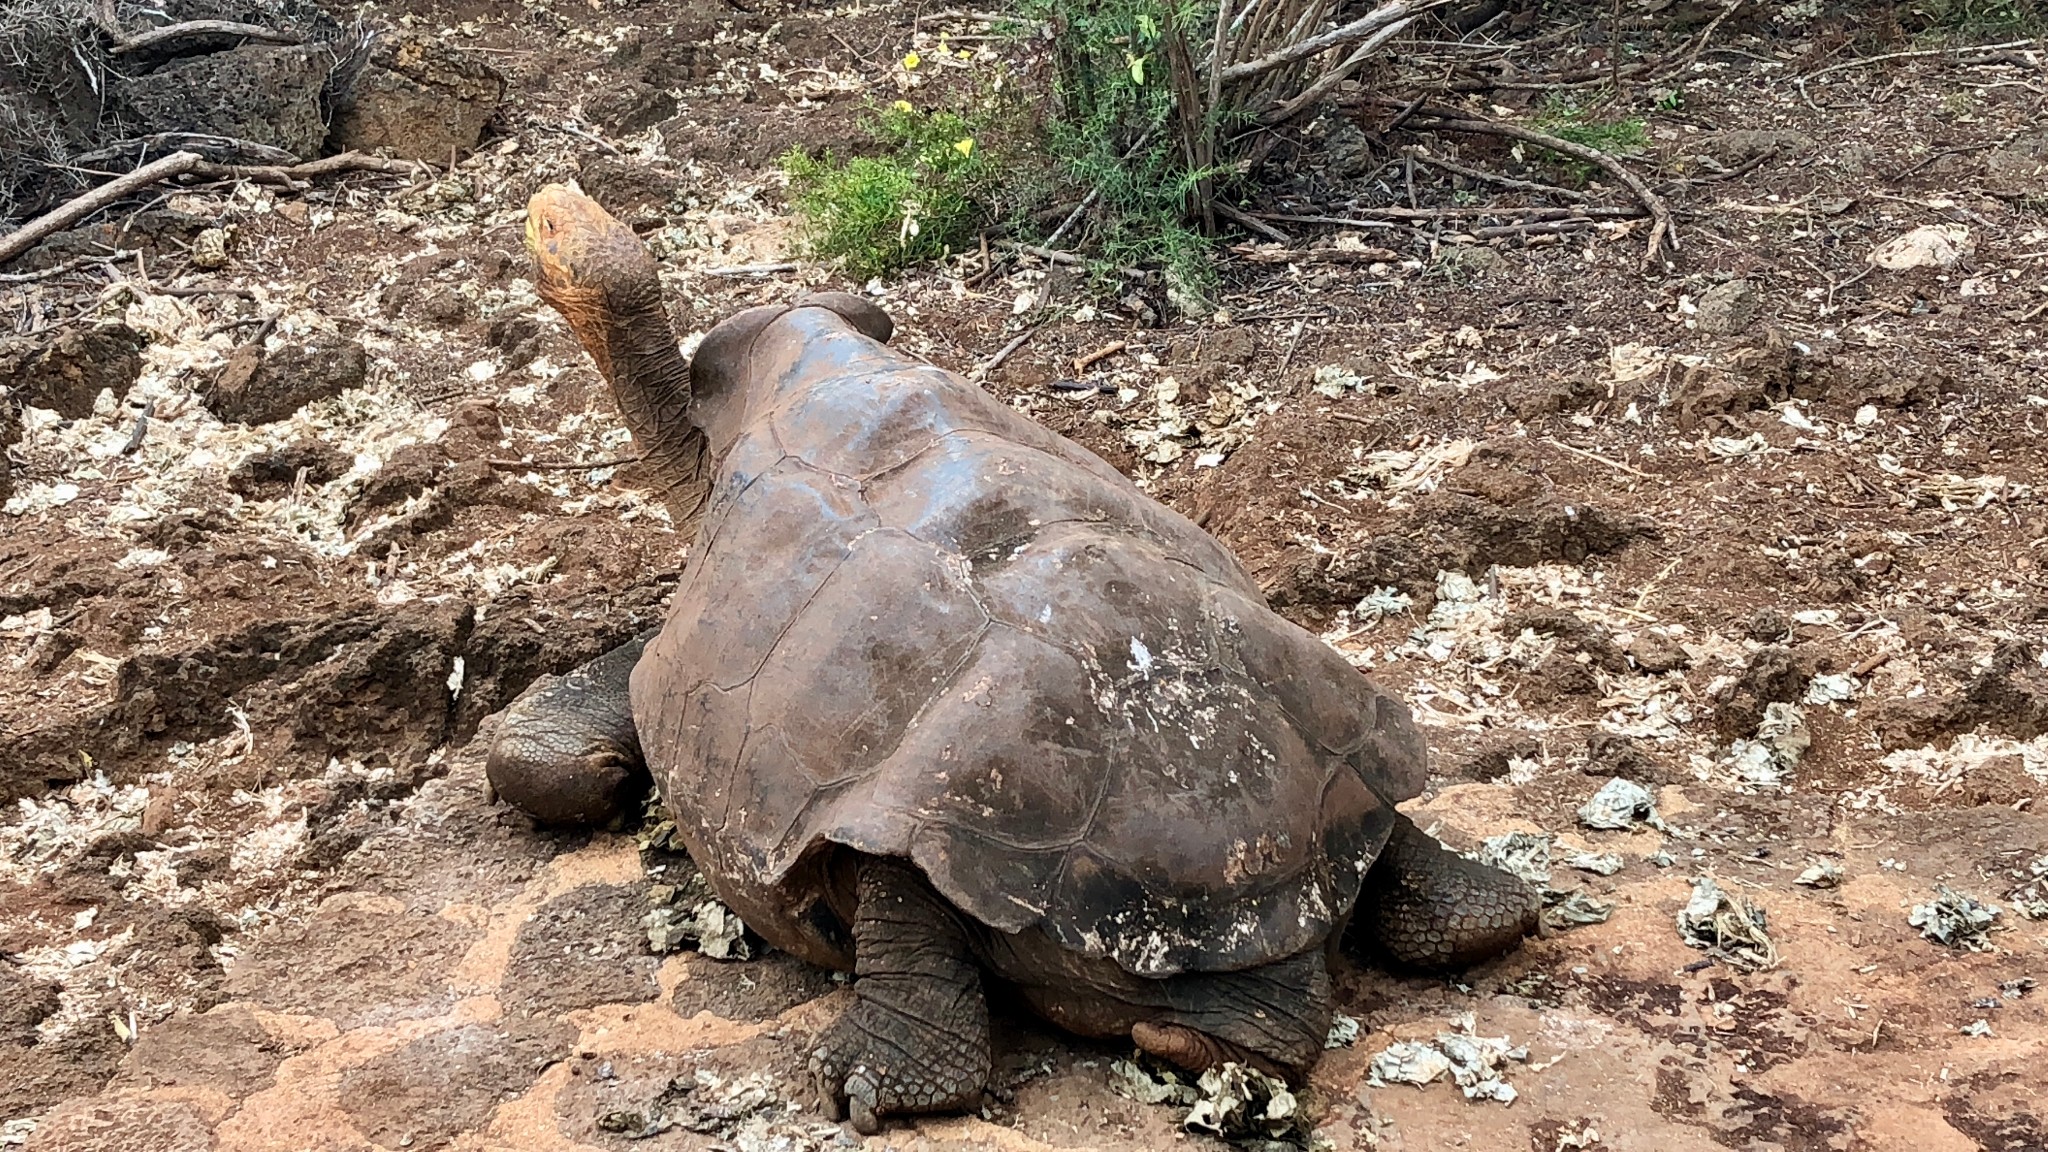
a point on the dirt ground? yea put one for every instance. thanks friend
(1763, 533)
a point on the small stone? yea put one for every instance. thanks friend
(1728, 309)
(210, 249)
(266, 474)
(1657, 654)
(444, 306)
(1823, 874)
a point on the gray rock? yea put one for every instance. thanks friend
(2022, 163)
(420, 99)
(1728, 309)
(264, 94)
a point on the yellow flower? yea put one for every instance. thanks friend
(965, 146)
(902, 106)
(911, 62)
(965, 54)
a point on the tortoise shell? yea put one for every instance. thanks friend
(917, 624)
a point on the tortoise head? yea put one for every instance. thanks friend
(604, 282)
(590, 268)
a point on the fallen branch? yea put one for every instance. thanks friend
(1394, 212)
(1919, 53)
(1332, 221)
(1259, 255)
(1245, 219)
(1083, 363)
(1662, 232)
(72, 211)
(1050, 255)
(1532, 228)
(209, 146)
(1359, 29)
(125, 44)
(1596, 457)
(296, 175)
(1497, 178)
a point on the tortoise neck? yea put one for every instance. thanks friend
(636, 350)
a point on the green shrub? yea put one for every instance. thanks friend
(1115, 132)
(1579, 125)
(923, 200)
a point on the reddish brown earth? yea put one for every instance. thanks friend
(251, 827)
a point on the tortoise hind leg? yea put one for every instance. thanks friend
(1425, 906)
(916, 1037)
(566, 752)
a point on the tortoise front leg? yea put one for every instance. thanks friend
(1425, 906)
(916, 1037)
(566, 751)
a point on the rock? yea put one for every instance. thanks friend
(258, 387)
(1870, 381)
(1928, 246)
(1574, 634)
(1611, 755)
(152, 232)
(629, 108)
(407, 473)
(2000, 780)
(1349, 152)
(1554, 397)
(1494, 759)
(262, 475)
(264, 94)
(444, 306)
(24, 1003)
(420, 99)
(1775, 675)
(1658, 654)
(1728, 309)
(66, 370)
(518, 336)
(627, 188)
(1471, 261)
(1763, 370)
(2022, 163)
(1733, 149)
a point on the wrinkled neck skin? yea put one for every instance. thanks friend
(636, 351)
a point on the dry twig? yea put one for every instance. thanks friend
(1664, 231)
(78, 208)
(996, 361)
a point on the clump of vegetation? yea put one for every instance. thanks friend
(1976, 17)
(1582, 125)
(1119, 132)
(925, 198)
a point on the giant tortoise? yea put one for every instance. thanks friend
(943, 695)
